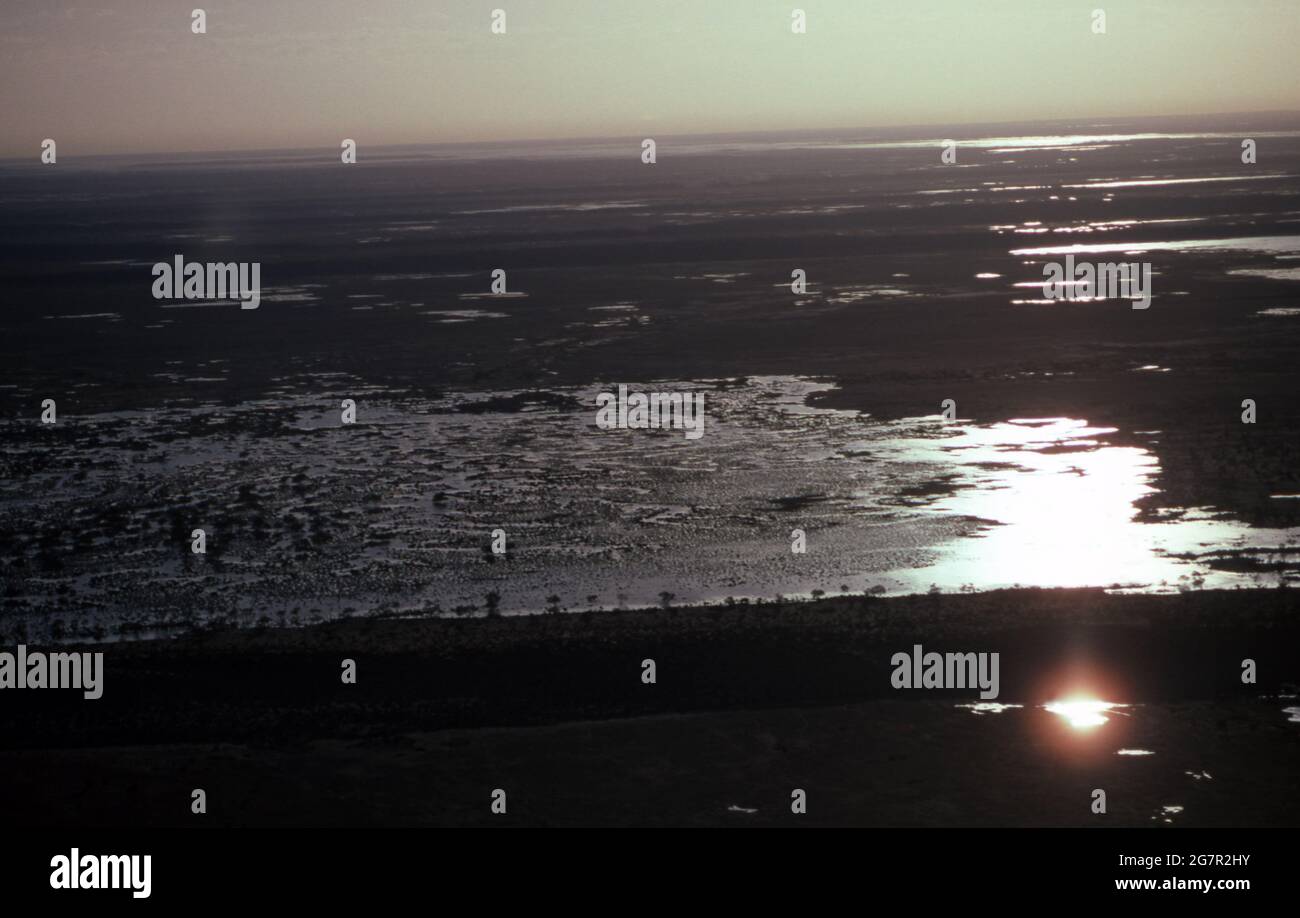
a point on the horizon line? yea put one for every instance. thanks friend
(596, 138)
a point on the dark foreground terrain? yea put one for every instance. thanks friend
(751, 702)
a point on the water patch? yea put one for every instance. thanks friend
(1083, 714)
(1267, 245)
(391, 515)
(989, 707)
(455, 316)
(1021, 478)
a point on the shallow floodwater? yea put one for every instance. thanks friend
(1060, 502)
(308, 519)
(471, 416)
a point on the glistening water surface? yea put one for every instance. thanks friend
(305, 517)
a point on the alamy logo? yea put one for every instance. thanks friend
(656, 410)
(83, 671)
(1106, 281)
(946, 670)
(103, 871)
(211, 280)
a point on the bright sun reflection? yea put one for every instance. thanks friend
(1056, 504)
(1082, 714)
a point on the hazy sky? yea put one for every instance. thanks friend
(129, 76)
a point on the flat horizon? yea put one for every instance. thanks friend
(138, 76)
(953, 130)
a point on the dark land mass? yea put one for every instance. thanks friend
(751, 701)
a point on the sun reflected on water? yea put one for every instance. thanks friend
(1083, 713)
(1056, 502)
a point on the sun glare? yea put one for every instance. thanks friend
(1082, 714)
